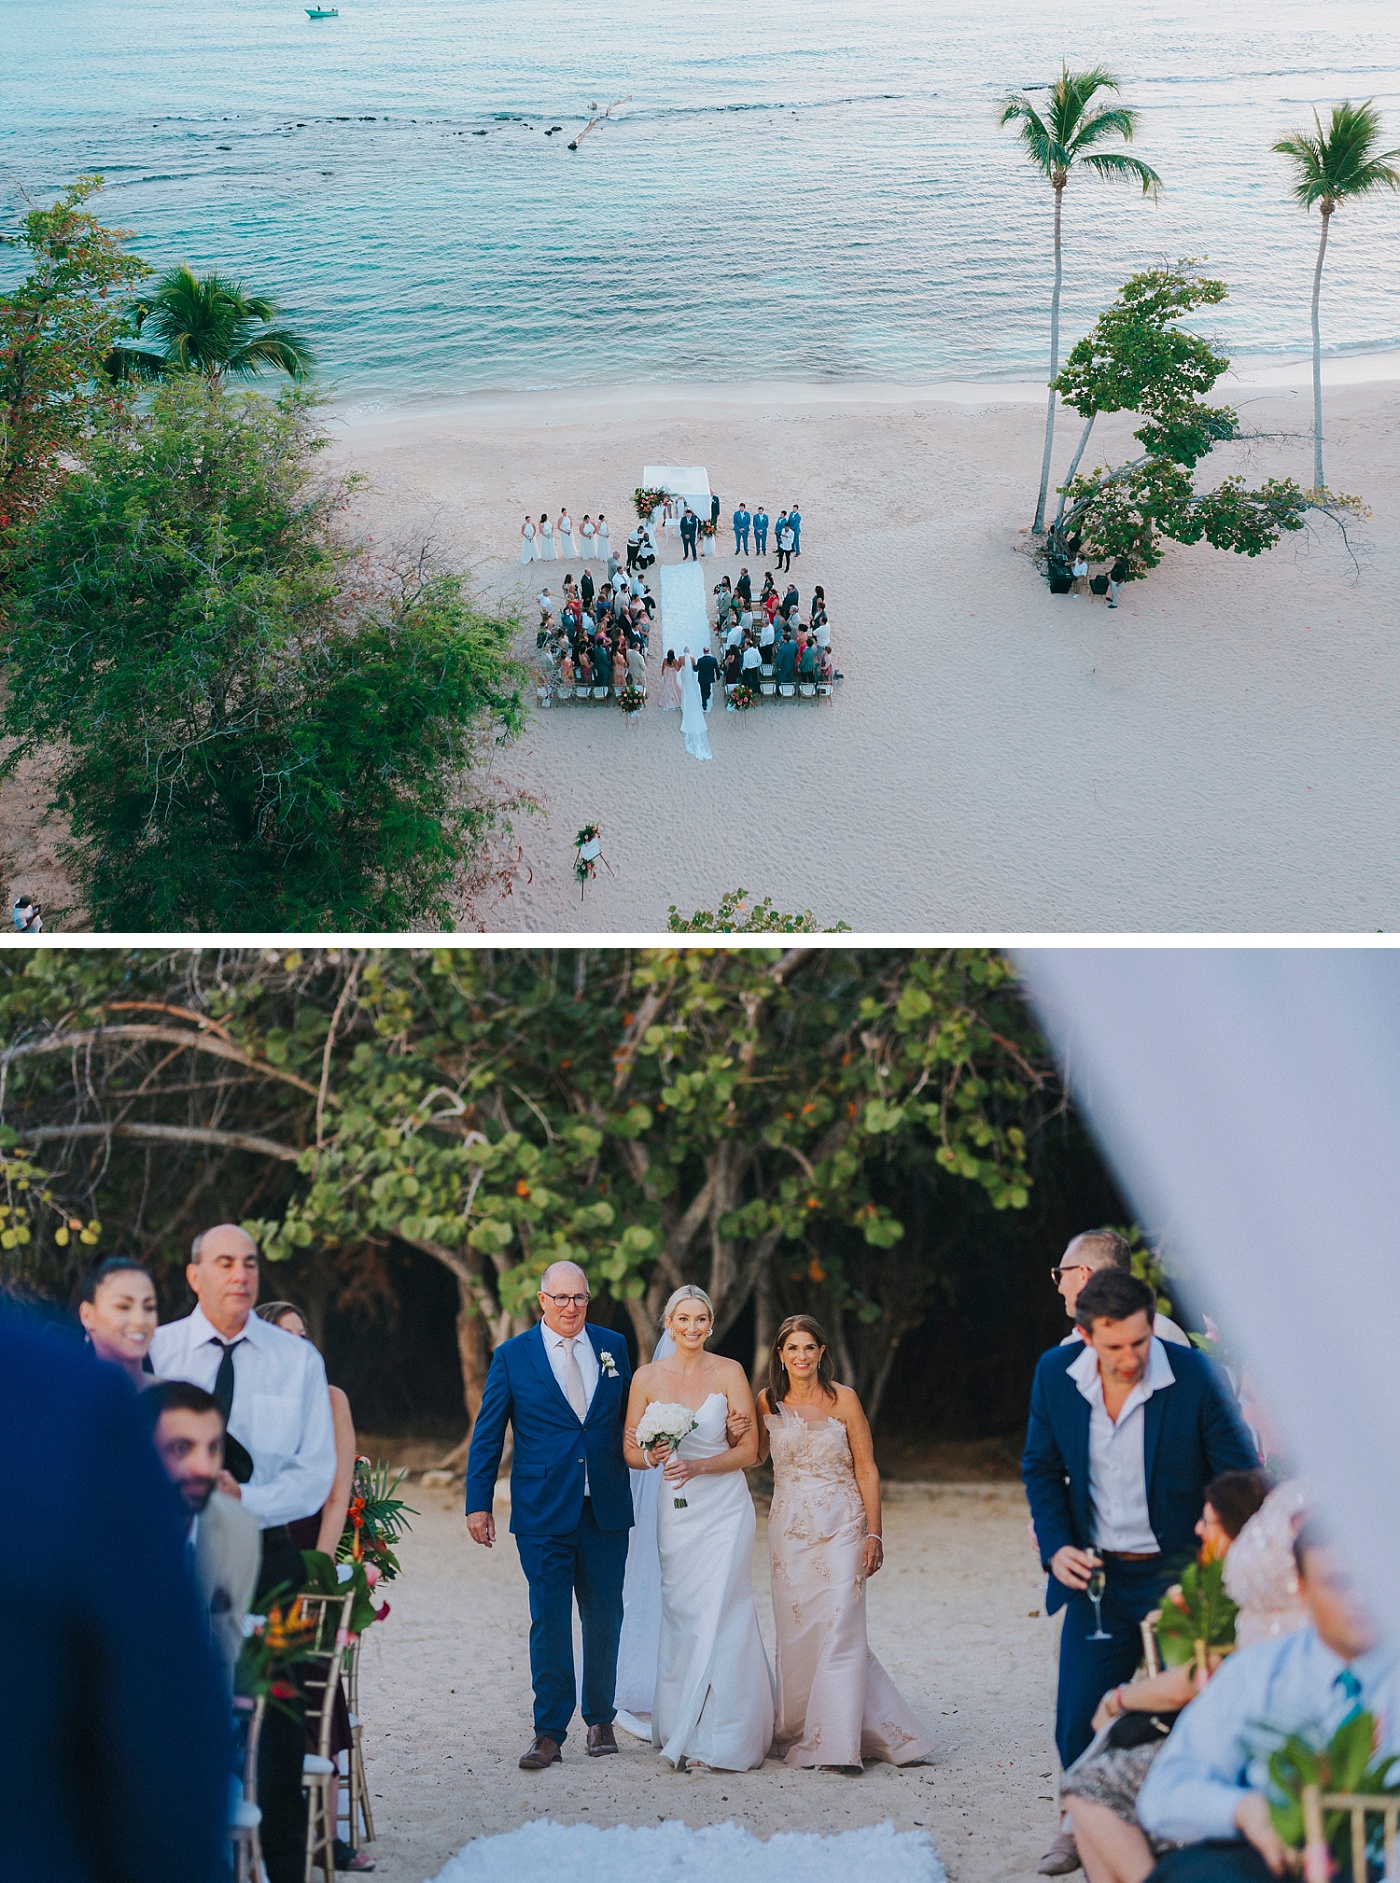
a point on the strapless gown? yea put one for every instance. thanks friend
(714, 1691)
(836, 1703)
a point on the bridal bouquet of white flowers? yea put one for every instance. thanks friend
(668, 1424)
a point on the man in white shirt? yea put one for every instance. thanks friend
(1122, 1440)
(271, 1388)
(1208, 1787)
(1085, 1255)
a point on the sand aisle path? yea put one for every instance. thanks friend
(446, 1701)
(1221, 752)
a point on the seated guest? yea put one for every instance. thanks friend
(619, 667)
(225, 1540)
(766, 635)
(735, 636)
(117, 1309)
(566, 669)
(751, 662)
(785, 661)
(1100, 1789)
(821, 632)
(769, 604)
(807, 660)
(1208, 1789)
(824, 668)
(602, 664)
(733, 667)
(637, 668)
(791, 600)
(724, 601)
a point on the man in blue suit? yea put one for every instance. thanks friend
(563, 1387)
(794, 517)
(741, 529)
(760, 531)
(1123, 1439)
(115, 1738)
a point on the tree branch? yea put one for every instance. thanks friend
(170, 1134)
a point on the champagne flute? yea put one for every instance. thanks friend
(1094, 1591)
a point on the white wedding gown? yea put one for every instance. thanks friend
(714, 1688)
(693, 728)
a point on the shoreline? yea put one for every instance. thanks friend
(660, 398)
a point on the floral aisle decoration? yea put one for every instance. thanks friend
(743, 697)
(1197, 1622)
(588, 854)
(708, 526)
(1300, 1768)
(631, 700)
(273, 1643)
(375, 1521)
(648, 501)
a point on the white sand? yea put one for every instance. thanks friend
(1223, 752)
(445, 1693)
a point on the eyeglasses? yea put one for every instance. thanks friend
(1070, 1268)
(567, 1301)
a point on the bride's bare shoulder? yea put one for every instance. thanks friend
(729, 1371)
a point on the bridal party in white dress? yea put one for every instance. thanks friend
(629, 1499)
(543, 540)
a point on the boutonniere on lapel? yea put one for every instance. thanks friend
(607, 1363)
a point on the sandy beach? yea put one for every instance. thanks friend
(955, 1616)
(1220, 753)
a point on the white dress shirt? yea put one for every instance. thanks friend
(557, 1347)
(281, 1409)
(1218, 1749)
(1117, 1471)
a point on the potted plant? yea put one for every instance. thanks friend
(708, 531)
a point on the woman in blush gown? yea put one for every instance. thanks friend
(529, 547)
(836, 1704)
(669, 697)
(713, 1706)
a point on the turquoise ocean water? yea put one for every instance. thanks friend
(800, 191)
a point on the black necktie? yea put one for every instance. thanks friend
(223, 1379)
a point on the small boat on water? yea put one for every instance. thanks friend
(323, 13)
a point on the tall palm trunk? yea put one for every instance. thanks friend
(1317, 350)
(1039, 525)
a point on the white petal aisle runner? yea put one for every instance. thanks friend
(685, 621)
(545, 1852)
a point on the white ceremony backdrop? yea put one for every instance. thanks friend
(1249, 1102)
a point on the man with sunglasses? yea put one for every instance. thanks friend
(563, 1388)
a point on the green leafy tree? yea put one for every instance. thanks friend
(1332, 167)
(736, 915)
(1139, 359)
(56, 328)
(258, 725)
(668, 1116)
(1063, 136)
(207, 324)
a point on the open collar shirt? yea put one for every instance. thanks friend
(1218, 1750)
(281, 1409)
(1117, 1469)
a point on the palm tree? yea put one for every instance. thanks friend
(1332, 167)
(207, 324)
(1064, 135)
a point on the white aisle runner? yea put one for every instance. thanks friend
(544, 1852)
(685, 621)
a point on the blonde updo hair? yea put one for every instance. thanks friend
(688, 1293)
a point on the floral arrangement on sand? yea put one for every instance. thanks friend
(631, 700)
(708, 526)
(743, 697)
(665, 1423)
(588, 847)
(648, 501)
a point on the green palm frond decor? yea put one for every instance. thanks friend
(1197, 1617)
(1347, 1763)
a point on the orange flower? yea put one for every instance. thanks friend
(522, 1188)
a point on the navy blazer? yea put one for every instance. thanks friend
(1191, 1432)
(114, 1736)
(551, 1445)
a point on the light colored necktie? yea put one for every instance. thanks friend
(573, 1381)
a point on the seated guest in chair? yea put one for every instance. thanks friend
(1208, 1789)
(1124, 1436)
(785, 661)
(225, 1539)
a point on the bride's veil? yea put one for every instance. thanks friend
(697, 738)
(641, 1591)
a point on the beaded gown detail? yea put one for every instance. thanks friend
(836, 1703)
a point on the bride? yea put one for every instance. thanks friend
(714, 1692)
(693, 728)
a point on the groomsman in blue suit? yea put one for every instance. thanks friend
(795, 525)
(741, 529)
(1124, 1436)
(760, 531)
(563, 1387)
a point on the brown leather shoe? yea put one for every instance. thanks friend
(543, 1751)
(601, 1740)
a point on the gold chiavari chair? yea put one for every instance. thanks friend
(361, 1813)
(244, 1829)
(320, 1675)
(1360, 1805)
